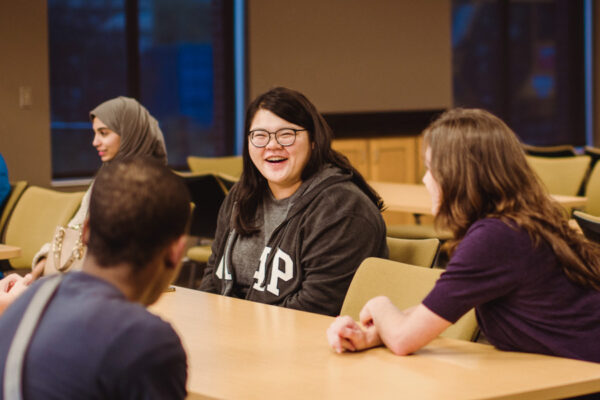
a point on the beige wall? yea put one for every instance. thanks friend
(25, 133)
(353, 55)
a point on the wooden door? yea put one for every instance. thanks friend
(394, 159)
(357, 151)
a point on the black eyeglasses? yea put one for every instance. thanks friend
(285, 137)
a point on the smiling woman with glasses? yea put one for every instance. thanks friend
(294, 229)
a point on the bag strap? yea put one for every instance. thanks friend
(13, 369)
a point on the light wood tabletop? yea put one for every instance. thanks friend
(240, 349)
(414, 198)
(7, 251)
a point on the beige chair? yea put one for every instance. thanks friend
(34, 220)
(593, 152)
(420, 252)
(564, 150)
(406, 285)
(199, 254)
(560, 175)
(589, 225)
(229, 165)
(424, 231)
(592, 192)
(16, 190)
(227, 169)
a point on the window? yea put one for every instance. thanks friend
(523, 61)
(175, 57)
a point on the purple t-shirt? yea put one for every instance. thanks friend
(523, 300)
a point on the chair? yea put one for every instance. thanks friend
(207, 194)
(227, 169)
(594, 153)
(406, 285)
(16, 190)
(560, 175)
(589, 224)
(420, 252)
(200, 254)
(34, 220)
(565, 150)
(425, 231)
(592, 192)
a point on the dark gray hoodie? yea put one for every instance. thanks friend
(311, 257)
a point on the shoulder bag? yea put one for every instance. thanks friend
(67, 251)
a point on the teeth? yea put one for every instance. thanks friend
(275, 158)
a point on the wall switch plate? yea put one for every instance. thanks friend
(25, 97)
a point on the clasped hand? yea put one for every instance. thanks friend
(345, 334)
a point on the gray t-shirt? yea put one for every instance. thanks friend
(249, 248)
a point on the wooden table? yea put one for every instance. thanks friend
(7, 251)
(243, 350)
(414, 198)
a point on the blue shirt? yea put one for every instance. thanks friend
(93, 343)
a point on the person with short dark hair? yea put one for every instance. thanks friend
(295, 228)
(95, 339)
(534, 281)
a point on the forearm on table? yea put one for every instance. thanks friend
(406, 332)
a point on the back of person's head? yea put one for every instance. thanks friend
(480, 167)
(139, 130)
(293, 107)
(137, 208)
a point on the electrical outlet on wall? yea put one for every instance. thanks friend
(25, 97)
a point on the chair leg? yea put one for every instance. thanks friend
(192, 276)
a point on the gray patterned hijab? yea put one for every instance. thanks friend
(139, 131)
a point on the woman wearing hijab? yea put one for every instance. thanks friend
(122, 128)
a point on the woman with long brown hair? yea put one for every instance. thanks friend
(534, 282)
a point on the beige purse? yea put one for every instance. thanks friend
(67, 251)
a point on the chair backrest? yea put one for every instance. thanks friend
(565, 150)
(207, 194)
(34, 220)
(420, 252)
(560, 175)
(592, 192)
(230, 167)
(406, 285)
(594, 153)
(589, 224)
(16, 190)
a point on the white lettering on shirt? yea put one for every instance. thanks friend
(277, 274)
(223, 268)
(259, 275)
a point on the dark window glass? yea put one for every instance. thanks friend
(87, 66)
(523, 61)
(163, 53)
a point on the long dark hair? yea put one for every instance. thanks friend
(482, 172)
(293, 107)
